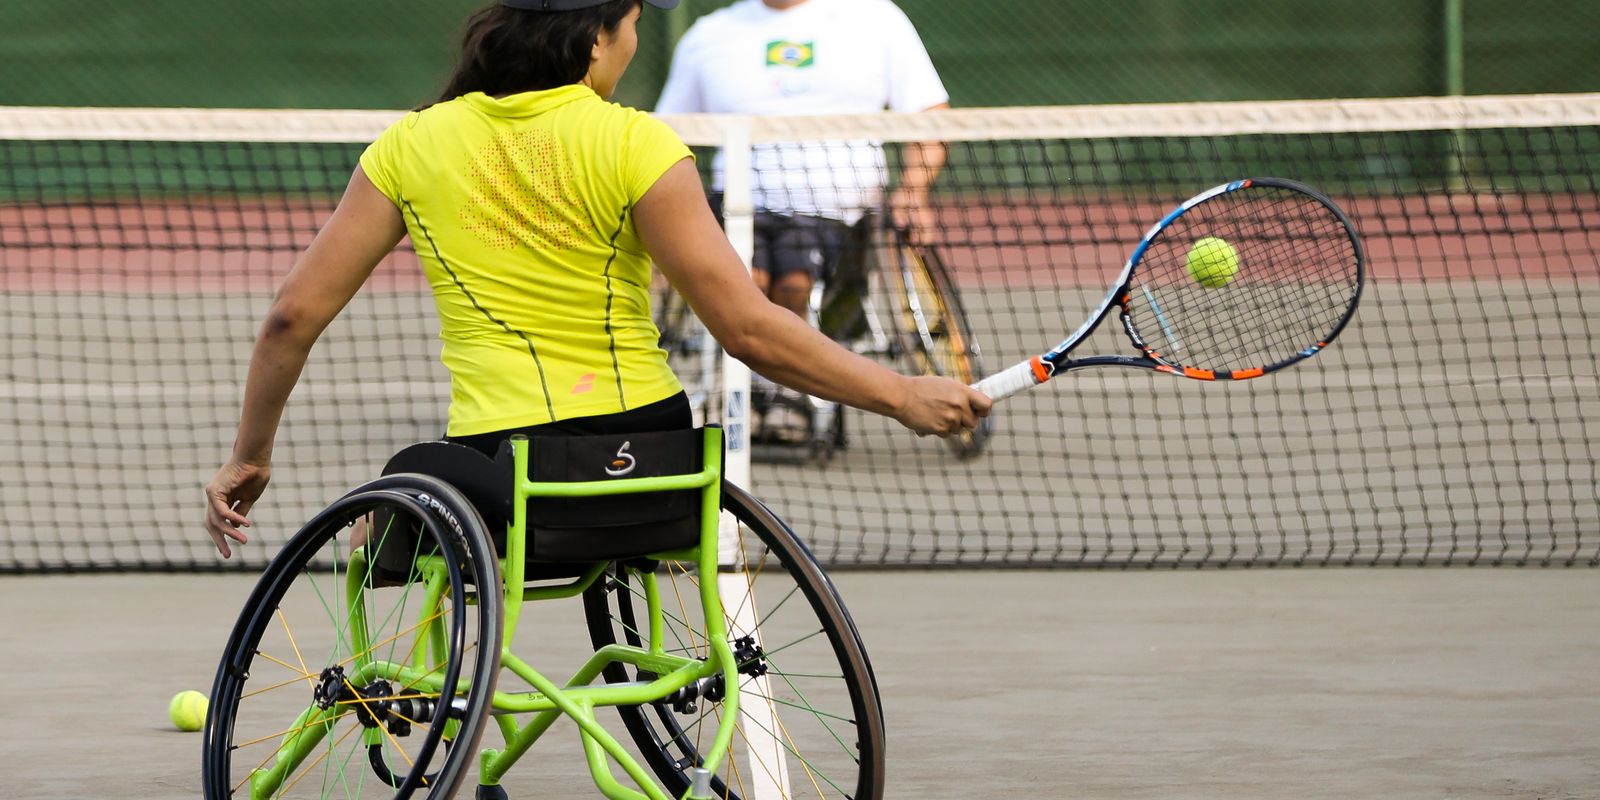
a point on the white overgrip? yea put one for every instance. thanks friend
(1004, 384)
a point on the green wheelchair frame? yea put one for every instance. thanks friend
(579, 700)
(661, 673)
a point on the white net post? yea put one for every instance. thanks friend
(739, 219)
(766, 774)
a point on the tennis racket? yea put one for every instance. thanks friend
(1239, 281)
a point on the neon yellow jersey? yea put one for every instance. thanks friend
(520, 210)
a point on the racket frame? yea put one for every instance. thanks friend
(1043, 367)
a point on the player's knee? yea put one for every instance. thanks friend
(799, 280)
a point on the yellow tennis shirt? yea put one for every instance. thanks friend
(520, 211)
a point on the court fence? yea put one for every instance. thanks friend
(396, 54)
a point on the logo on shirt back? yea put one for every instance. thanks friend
(793, 55)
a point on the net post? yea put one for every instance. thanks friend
(1455, 86)
(738, 209)
(767, 772)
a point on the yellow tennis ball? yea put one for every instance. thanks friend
(1213, 262)
(188, 710)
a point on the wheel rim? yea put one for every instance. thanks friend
(295, 666)
(816, 704)
(937, 330)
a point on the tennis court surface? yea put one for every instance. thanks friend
(1347, 683)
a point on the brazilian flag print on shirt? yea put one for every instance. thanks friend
(782, 53)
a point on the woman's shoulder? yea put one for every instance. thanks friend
(406, 126)
(443, 112)
(627, 121)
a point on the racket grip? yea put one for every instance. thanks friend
(1025, 375)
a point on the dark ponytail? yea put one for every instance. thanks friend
(506, 50)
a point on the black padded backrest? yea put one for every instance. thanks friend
(486, 483)
(580, 528)
(617, 456)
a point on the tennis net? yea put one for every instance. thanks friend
(1457, 421)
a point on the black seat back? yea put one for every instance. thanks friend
(578, 529)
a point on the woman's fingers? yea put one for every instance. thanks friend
(223, 523)
(230, 496)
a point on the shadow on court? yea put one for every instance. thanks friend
(1236, 684)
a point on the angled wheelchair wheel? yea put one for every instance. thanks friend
(811, 725)
(933, 327)
(362, 672)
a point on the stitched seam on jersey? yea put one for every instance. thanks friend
(526, 339)
(611, 335)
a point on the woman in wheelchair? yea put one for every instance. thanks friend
(536, 208)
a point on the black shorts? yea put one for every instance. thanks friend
(788, 243)
(671, 414)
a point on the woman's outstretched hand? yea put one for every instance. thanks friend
(941, 406)
(229, 497)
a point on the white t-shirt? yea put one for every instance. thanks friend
(819, 57)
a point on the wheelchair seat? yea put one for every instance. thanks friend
(579, 529)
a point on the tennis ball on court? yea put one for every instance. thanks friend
(1213, 262)
(188, 710)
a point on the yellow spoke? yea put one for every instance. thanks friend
(282, 734)
(303, 670)
(420, 678)
(725, 612)
(417, 642)
(279, 749)
(265, 689)
(386, 733)
(794, 748)
(318, 760)
(309, 676)
(375, 645)
(391, 697)
(683, 607)
(286, 665)
(734, 764)
(733, 768)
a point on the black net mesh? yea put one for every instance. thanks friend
(1455, 422)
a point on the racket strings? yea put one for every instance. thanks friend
(1298, 273)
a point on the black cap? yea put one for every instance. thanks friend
(574, 5)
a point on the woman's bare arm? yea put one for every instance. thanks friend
(677, 227)
(361, 231)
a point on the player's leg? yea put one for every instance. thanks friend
(800, 247)
(793, 291)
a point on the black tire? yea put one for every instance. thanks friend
(290, 653)
(817, 673)
(935, 336)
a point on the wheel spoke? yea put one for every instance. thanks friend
(802, 633)
(381, 659)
